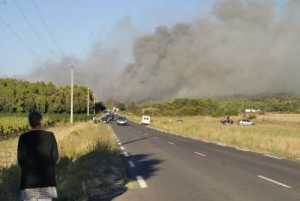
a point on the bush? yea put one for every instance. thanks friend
(252, 117)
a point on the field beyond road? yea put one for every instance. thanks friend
(277, 134)
(90, 166)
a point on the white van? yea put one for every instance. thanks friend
(146, 120)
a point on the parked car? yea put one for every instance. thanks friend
(246, 122)
(107, 118)
(122, 121)
(227, 121)
(146, 120)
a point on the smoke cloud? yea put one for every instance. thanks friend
(244, 47)
(103, 66)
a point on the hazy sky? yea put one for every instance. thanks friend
(77, 25)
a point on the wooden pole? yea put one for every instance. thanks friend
(72, 96)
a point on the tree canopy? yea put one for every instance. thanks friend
(24, 96)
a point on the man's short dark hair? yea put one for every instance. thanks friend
(35, 119)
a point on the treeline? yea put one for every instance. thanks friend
(217, 107)
(18, 96)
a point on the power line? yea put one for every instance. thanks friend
(18, 36)
(48, 31)
(31, 27)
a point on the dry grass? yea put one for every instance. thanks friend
(90, 165)
(75, 141)
(8, 148)
(277, 134)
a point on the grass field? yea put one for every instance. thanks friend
(277, 134)
(90, 165)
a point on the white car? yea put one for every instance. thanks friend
(122, 121)
(146, 120)
(246, 122)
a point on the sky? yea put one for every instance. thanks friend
(33, 31)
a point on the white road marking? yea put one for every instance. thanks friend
(241, 149)
(273, 181)
(122, 148)
(172, 143)
(200, 154)
(272, 156)
(126, 154)
(221, 144)
(131, 164)
(119, 143)
(141, 182)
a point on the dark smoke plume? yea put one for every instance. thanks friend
(244, 47)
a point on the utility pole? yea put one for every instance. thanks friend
(72, 95)
(88, 102)
(94, 105)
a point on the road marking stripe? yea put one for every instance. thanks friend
(172, 143)
(221, 144)
(119, 143)
(122, 148)
(200, 154)
(141, 182)
(126, 154)
(131, 164)
(242, 149)
(273, 181)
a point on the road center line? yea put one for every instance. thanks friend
(141, 182)
(119, 143)
(131, 164)
(273, 181)
(172, 143)
(200, 154)
(122, 148)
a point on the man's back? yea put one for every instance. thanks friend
(37, 156)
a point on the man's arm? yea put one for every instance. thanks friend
(20, 151)
(54, 149)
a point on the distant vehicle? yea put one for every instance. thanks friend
(227, 121)
(246, 122)
(107, 118)
(146, 120)
(122, 121)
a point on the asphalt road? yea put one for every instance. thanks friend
(172, 168)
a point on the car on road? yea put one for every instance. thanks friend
(122, 121)
(107, 118)
(246, 122)
(146, 120)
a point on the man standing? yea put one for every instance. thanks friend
(37, 157)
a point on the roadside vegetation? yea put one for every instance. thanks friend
(12, 125)
(215, 107)
(18, 98)
(90, 165)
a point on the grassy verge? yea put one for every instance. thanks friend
(277, 134)
(90, 166)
